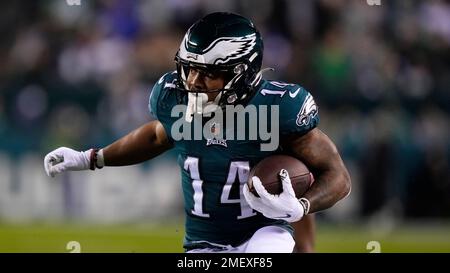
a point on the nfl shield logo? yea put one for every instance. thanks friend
(215, 131)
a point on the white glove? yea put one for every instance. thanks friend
(284, 206)
(65, 159)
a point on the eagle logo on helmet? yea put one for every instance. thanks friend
(222, 50)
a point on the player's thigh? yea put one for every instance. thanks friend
(270, 239)
(304, 234)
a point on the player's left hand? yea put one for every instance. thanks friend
(284, 206)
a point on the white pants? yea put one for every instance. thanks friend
(270, 239)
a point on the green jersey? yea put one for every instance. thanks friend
(214, 171)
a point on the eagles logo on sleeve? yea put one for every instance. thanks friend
(307, 112)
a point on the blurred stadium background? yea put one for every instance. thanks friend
(80, 76)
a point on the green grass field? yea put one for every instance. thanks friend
(168, 238)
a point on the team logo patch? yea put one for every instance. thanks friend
(308, 111)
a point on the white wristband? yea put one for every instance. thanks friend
(306, 204)
(100, 159)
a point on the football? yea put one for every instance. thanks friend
(268, 169)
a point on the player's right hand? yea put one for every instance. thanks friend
(65, 159)
(284, 206)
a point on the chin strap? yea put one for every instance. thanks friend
(198, 102)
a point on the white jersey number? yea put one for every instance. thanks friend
(239, 169)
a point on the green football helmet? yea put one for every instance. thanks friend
(224, 43)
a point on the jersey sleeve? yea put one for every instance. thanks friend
(160, 102)
(298, 112)
(155, 94)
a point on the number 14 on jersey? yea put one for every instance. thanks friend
(238, 169)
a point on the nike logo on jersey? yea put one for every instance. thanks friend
(292, 95)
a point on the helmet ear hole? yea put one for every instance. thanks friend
(238, 69)
(232, 98)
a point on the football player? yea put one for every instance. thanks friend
(219, 65)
